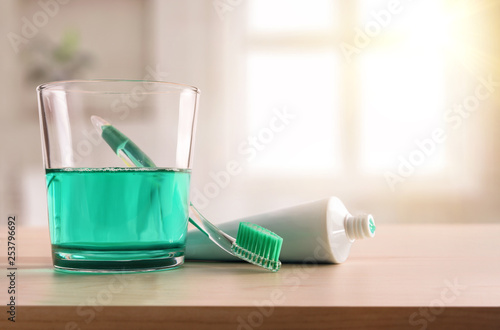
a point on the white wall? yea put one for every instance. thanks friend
(113, 32)
(188, 42)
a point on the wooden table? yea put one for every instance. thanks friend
(408, 276)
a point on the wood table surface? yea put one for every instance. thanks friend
(421, 276)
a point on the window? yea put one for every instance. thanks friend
(292, 63)
(363, 110)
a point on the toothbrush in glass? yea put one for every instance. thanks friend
(253, 243)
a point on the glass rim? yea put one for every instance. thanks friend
(60, 85)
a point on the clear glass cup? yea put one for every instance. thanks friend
(118, 189)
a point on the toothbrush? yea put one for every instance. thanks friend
(124, 148)
(253, 243)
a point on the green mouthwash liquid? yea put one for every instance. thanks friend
(117, 219)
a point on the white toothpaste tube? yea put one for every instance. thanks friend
(321, 231)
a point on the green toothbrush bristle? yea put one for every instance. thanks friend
(258, 246)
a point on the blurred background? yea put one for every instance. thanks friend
(393, 106)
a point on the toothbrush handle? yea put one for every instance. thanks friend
(215, 234)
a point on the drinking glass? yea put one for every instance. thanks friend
(118, 157)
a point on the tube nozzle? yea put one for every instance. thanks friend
(361, 226)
